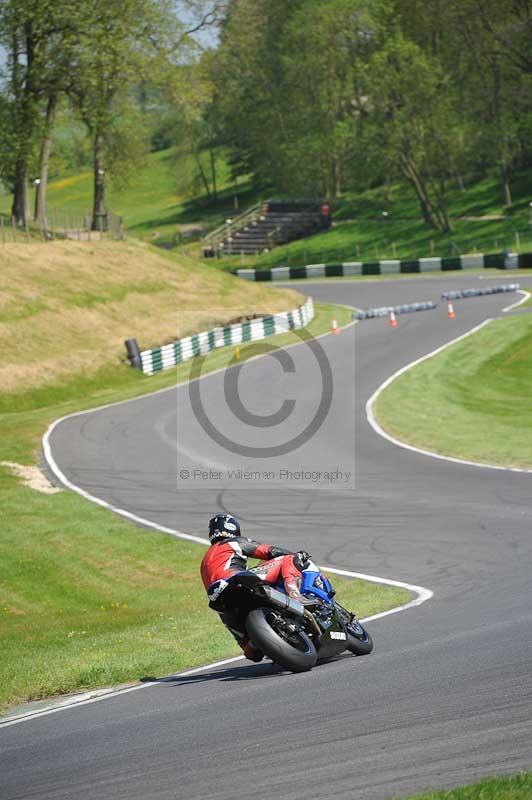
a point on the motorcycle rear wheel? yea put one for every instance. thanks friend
(292, 650)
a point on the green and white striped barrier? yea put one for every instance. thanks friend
(159, 358)
(390, 267)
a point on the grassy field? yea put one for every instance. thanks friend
(87, 599)
(518, 787)
(471, 401)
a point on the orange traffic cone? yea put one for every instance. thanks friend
(450, 310)
(393, 321)
(334, 328)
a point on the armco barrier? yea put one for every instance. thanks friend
(169, 355)
(384, 311)
(460, 294)
(390, 267)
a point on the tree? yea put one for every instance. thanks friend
(414, 126)
(324, 49)
(189, 91)
(33, 33)
(122, 43)
(483, 47)
(508, 24)
(249, 85)
(497, 91)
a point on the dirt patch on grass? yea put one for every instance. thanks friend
(31, 477)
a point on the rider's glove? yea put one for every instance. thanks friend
(301, 559)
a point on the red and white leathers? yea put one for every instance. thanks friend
(229, 556)
(226, 558)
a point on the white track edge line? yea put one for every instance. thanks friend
(422, 593)
(97, 695)
(525, 297)
(372, 420)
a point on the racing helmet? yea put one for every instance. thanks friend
(223, 526)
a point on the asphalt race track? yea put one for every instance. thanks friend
(446, 696)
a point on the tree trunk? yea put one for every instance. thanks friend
(44, 160)
(443, 211)
(213, 176)
(427, 209)
(202, 174)
(505, 183)
(98, 207)
(20, 209)
(335, 178)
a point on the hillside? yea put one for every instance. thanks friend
(66, 307)
(160, 194)
(162, 202)
(385, 222)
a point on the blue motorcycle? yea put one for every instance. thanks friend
(293, 635)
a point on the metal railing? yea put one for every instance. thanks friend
(213, 239)
(62, 224)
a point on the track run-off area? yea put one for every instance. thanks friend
(446, 695)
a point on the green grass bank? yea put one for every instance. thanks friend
(518, 787)
(471, 401)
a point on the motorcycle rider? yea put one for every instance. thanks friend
(227, 556)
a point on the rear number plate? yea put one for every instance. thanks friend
(338, 635)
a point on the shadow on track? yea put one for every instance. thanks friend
(243, 673)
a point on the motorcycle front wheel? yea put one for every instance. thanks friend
(359, 642)
(280, 640)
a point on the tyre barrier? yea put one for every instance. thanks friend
(390, 267)
(168, 355)
(384, 311)
(460, 294)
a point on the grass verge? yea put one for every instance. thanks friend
(518, 787)
(87, 599)
(471, 401)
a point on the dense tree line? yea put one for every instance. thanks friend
(309, 96)
(317, 95)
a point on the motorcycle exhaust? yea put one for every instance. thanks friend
(282, 601)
